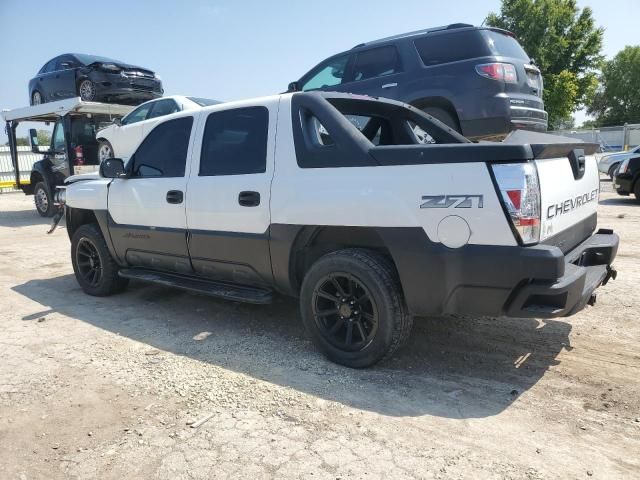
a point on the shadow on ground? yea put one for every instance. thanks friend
(452, 367)
(22, 218)
(619, 201)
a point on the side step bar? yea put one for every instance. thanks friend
(228, 291)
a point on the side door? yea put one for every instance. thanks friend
(159, 109)
(64, 78)
(128, 134)
(229, 190)
(58, 155)
(376, 72)
(147, 219)
(45, 84)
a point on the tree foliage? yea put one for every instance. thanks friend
(565, 44)
(44, 140)
(618, 100)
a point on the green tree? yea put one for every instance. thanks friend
(44, 140)
(618, 100)
(565, 44)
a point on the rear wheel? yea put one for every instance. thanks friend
(353, 308)
(105, 150)
(87, 90)
(636, 190)
(36, 98)
(43, 199)
(95, 269)
(444, 116)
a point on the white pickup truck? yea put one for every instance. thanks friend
(333, 199)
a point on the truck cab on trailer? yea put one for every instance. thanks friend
(73, 149)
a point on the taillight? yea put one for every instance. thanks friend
(79, 154)
(520, 194)
(498, 71)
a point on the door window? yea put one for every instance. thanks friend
(138, 114)
(327, 74)
(164, 152)
(58, 139)
(235, 142)
(50, 66)
(376, 62)
(162, 108)
(65, 62)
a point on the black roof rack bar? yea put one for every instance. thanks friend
(451, 26)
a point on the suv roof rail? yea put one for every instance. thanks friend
(451, 26)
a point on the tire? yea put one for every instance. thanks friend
(95, 269)
(43, 200)
(36, 98)
(636, 190)
(612, 170)
(374, 307)
(444, 116)
(105, 150)
(87, 90)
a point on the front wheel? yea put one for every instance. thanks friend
(95, 269)
(87, 90)
(43, 199)
(105, 150)
(353, 308)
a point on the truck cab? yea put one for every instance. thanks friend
(73, 148)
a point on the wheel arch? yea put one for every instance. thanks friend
(76, 217)
(312, 242)
(438, 102)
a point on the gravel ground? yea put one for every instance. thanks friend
(108, 387)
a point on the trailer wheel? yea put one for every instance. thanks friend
(87, 90)
(105, 150)
(36, 98)
(43, 200)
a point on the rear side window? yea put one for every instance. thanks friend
(164, 152)
(376, 62)
(235, 142)
(436, 49)
(50, 66)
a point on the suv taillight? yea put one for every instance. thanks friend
(498, 71)
(79, 154)
(520, 194)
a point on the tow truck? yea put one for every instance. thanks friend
(73, 149)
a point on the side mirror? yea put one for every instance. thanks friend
(113, 168)
(117, 121)
(294, 87)
(33, 138)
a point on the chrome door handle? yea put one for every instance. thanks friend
(389, 85)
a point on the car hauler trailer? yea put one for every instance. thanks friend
(73, 149)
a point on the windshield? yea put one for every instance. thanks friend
(203, 102)
(504, 45)
(89, 59)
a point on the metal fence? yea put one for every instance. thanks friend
(611, 139)
(26, 159)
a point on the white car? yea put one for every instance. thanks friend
(610, 162)
(122, 137)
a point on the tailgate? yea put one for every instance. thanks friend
(569, 188)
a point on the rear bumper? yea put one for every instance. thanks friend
(537, 281)
(586, 268)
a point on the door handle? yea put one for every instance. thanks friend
(249, 199)
(389, 85)
(175, 196)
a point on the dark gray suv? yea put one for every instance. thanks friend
(477, 80)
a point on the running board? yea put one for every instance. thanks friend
(228, 291)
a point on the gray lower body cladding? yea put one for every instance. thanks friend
(535, 281)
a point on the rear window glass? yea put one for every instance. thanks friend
(463, 45)
(504, 45)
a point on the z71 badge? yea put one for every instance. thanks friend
(455, 201)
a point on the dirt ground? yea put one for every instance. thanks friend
(107, 387)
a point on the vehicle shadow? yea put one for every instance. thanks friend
(457, 367)
(23, 218)
(619, 201)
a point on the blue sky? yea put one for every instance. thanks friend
(226, 49)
